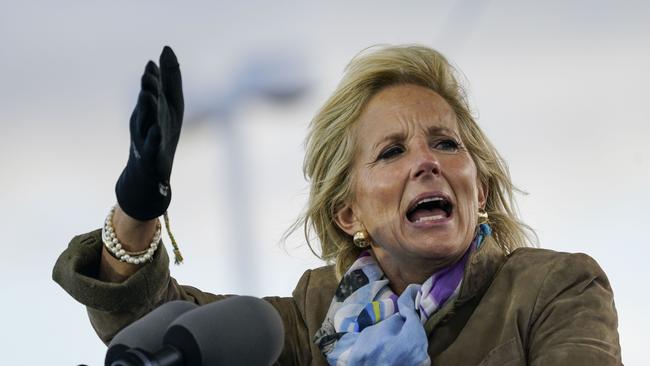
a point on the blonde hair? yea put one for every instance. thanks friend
(330, 148)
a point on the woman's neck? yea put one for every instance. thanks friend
(401, 273)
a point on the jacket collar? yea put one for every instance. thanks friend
(480, 269)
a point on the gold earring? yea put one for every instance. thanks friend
(360, 239)
(482, 216)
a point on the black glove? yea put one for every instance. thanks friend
(143, 189)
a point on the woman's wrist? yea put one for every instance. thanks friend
(112, 269)
(134, 235)
(116, 249)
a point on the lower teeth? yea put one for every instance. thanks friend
(430, 218)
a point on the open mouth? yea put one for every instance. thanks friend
(431, 208)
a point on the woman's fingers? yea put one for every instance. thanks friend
(159, 111)
(151, 78)
(146, 114)
(172, 85)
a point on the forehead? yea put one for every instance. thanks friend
(404, 109)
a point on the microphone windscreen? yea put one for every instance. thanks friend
(147, 332)
(240, 330)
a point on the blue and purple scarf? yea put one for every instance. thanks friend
(368, 324)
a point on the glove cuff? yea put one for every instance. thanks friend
(140, 196)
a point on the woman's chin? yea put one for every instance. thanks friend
(437, 239)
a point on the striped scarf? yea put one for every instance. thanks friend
(367, 323)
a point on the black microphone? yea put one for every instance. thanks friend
(147, 332)
(240, 330)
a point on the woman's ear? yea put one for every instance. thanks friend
(347, 220)
(482, 194)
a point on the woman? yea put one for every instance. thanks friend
(411, 203)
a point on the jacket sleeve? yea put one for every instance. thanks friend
(112, 306)
(574, 319)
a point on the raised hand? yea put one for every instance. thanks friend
(143, 189)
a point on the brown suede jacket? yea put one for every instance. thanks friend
(532, 307)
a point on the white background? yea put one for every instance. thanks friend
(561, 87)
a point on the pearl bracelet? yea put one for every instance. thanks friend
(115, 247)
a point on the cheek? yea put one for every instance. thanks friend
(378, 193)
(464, 181)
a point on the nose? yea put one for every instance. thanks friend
(426, 163)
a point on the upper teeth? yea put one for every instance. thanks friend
(431, 199)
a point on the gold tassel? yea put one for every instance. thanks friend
(178, 258)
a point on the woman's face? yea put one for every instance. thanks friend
(415, 185)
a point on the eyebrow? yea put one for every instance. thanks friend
(431, 131)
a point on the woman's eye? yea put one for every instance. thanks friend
(391, 152)
(446, 145)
